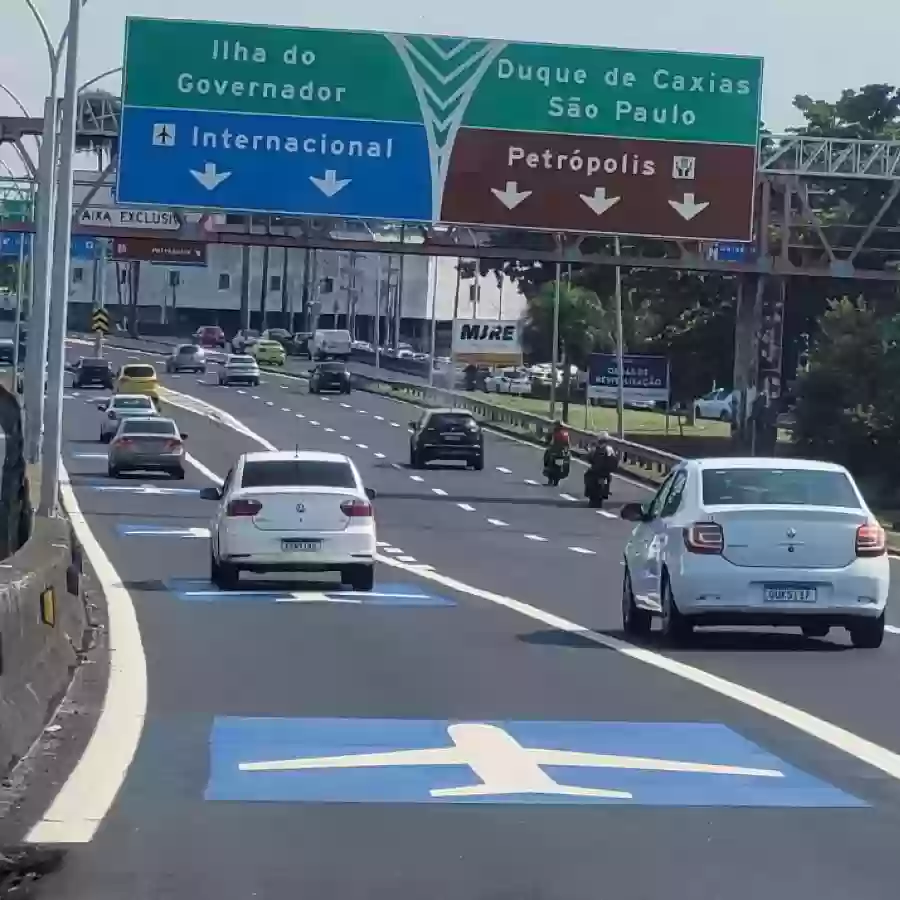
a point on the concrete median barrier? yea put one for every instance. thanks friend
(42, 629)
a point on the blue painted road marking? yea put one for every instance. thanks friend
(158, 489)
(433, 761)
(131, 529)
(296, 166)
(193, 590)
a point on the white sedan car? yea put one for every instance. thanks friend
(508, 381)
(293, 512)
(715, 405)
(754, 541)
(123, 406)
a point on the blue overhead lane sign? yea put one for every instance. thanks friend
(277, 164)
(435, 761)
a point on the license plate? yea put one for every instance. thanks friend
(453, 437)
(308, 546)
(773, 593)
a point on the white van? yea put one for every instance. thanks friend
(330, 343)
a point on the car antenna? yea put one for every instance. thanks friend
(296, 449)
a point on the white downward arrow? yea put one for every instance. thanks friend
(209, 177)
(598, 201)
(688, 208)
(330, 184)
(511, 197)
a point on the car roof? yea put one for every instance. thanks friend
(457, 410)
(140, 419)
(139, 365)
(131, 397)
(767, 462)
(262, 456)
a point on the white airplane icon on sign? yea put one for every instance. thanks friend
(504, 766)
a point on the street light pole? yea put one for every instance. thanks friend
(60, 275)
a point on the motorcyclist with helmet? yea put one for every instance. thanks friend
(603, 461)
(558, 446)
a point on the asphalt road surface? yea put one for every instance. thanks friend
(493, 627)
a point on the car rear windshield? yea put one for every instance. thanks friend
(188, 348)
(139, 372)
(333, 368)
(451, 420)
(778, 487)
(243, 362)
(297, 473)
(132, 403)
(95, 364)
(149, 426)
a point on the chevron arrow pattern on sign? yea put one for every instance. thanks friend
(445, 73)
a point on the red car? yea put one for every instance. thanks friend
(210, 336)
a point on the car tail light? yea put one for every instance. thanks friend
(125, 442)
(357, 509)
(243, 507)
(171, 445)
(870, 540)
(704, 537)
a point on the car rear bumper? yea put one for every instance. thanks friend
(717, 592)
(451, 451)
(161, 461)
(261, 550)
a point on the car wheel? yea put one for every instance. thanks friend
(697, 414)
(113, 472)
(417, 459)
(255, 382)
(636, 622)
(478, 463)
(105, 438)
(675, 627)
(868, 634)
(224, 575)
(360, 578)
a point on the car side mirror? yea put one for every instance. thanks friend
(412, 425)
(210, 493)
(184, 435)
(102, 405)
(371, 493)
(634, 512)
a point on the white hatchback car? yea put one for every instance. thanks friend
(754, 541)
(123, 406)
(293, 512)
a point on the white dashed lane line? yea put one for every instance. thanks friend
(378, 418)
(254, 397)
(346, 406)
(379, 456)
(363, 446)
(466, 507)
(345, 437)
(536, 537)
(582, 550)
(439, 491)
(313, 422)
(405, 559)
(499, 523)
(504, 470)
(242, 392)
(416, 478)
(269, 403)
(606, 514)
(531, 482)
(300, 415)
(396, 466)
(392, 550)
(330, 430)
(395, 424)
(569, 497)
(284, 409)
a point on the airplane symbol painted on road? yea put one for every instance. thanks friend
(503, 765)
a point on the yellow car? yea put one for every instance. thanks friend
(268, 353)
(138, 378)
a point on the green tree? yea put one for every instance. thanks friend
(847, 407)
(583, 327)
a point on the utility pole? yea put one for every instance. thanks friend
(264, 290)
(245, 287)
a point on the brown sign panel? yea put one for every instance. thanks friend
(159, 250)
(556, 182)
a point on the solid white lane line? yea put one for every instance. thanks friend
(439, 491)
(202, 469)
(466, 507)
(499, 523)
(536, 537)
(406, 559)
(583, 550)
(85, 798)
(416, 478)
(606, 514)
(392, 550)
(840, 738)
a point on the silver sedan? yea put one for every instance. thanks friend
(147, 444)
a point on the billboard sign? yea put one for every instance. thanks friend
(646, 378)
(489, 342)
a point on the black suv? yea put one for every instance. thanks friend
(446, 434)
(330, 376)
(92, 371)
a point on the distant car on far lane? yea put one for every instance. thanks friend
(293, 512)
(330, 376)
(187, 358)
(210, 336)
(756, 541)
(239, 369)
(244, 339)
(87, 371)
(147, 443)
(448, 434)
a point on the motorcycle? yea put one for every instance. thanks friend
(557, 468)
(596, 487)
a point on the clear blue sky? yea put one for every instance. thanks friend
(804, 42)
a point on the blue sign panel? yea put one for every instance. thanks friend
(646, 378)
(11, 241)
(274, 164)
(197, 591)
(433, 761)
